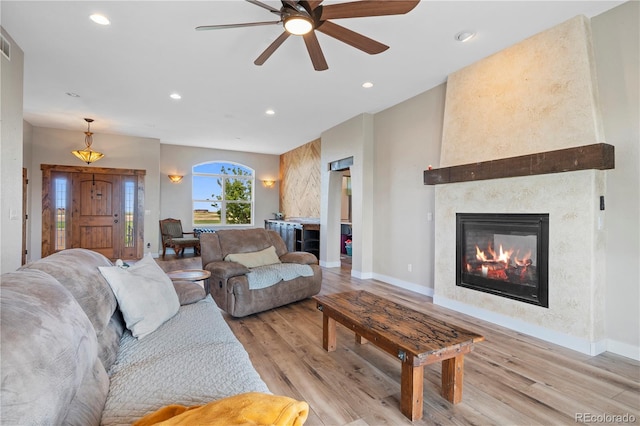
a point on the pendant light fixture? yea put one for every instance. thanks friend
(88, 155)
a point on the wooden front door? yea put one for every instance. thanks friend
(94, 208)
(96, 213)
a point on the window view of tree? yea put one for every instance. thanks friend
(222, 194)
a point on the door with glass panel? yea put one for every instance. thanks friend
(96, 209)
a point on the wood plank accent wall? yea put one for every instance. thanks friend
(300, 181)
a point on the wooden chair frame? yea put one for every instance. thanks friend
(178, 244)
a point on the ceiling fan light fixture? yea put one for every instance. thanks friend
(298, 24)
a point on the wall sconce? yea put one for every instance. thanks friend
(175, 178)
(268, 183)
(88, 155)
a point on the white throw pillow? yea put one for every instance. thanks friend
(254, 259)
(145, 294)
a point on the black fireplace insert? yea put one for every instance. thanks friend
(504, 254)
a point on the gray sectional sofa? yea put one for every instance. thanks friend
(68, 358)
(239, 260)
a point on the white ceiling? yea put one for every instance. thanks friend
(125, 72)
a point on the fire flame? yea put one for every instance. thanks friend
(503, 256)
(495, 264)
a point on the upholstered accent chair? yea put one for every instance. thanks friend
(174, 238)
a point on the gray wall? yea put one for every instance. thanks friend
(616, 42)
(11, 158)
(407, 140)
(54, 146)
(176, 197)
(162, 198)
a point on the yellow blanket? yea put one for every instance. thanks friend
(247, 409)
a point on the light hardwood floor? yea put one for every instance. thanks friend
(510, 378)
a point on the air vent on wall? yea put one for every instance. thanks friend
(5, 46)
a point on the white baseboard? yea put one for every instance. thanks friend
(361, 275)
(575, 343)
(404, 284)
(325, 264)
(623, 349)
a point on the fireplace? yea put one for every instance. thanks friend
(504, 254)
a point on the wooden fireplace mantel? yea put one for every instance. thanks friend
(598, 156)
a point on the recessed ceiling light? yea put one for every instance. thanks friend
(73, 95)
(367, 84)
(175, 96)
(100, 19)
(270, 112)
(463, 36)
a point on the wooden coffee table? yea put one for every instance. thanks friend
(414, 337)
(191, 275)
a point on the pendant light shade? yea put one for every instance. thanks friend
(88, 155)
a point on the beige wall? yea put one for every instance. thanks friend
(162, 198)
(176, 198)
(11, 153)
(54, 146)
(406, 135)
(514, 103)
(546, 79)
(407, 140)
(353, 138)
(590, 312)
(616, 42)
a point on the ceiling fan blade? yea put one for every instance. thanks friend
(313, 3)
(265, 6)
(352, 38)
(292, 3)
(225, 26)
(272, 48)
(315, 52)
(359, 9)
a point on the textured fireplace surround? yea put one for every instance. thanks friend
(539, 95)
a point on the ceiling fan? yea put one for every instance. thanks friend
(304, 17)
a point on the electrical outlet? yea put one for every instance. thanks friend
(409, 267)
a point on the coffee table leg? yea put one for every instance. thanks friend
(360, 340)
(452, 377)
(411, 388)
(328, 333)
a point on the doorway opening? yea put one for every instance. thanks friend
(343, 166)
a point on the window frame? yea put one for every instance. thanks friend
(223, 203)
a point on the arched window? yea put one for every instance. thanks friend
(222, 194)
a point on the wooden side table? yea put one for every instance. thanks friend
(191, 275)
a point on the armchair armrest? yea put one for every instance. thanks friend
(301, 257)
(225, 270)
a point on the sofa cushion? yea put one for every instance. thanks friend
(194, 358)
(254, 259)
(188, 292)
(51, 373)
(145, 294)
(77, 271)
